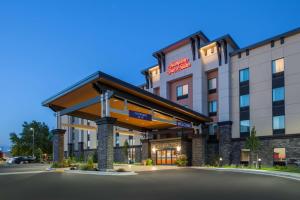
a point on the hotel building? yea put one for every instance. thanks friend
(235, 88)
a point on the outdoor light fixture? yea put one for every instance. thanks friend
(178, 148)
(221, 158)
(221, 161)
(153, 149)
(259, 163)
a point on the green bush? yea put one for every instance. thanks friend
(181, 160)
(89, 165)
(58, 165)
(149, 162)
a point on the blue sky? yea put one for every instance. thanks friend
(45, 46)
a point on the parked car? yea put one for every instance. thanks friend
(21, 160)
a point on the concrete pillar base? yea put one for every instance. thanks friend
(198, 150)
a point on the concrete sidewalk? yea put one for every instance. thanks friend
(143, 168)
(288, 175)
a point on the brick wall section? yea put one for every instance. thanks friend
(292, 145)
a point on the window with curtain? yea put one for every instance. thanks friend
(278, 94)
(244, 75)
(212, 106)
(278, 65)
(244, 100)
(278, 122)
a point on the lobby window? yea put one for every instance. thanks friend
(244, 75)
(212, 107)
(244, 100)
(182, 91)
(279, 122)
(212, 85)
(245, 156)
(245, 126)
(117, 139)
(278, 94)
(212, 129)
(279, 156)
(88, 139)
(278, 66)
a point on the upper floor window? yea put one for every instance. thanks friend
(212, 84)
(277, 65)
(244, 100)
(213, 106)
(245, 126)
(244, 75)
(182, 91)
(278, 94)
(278, 122)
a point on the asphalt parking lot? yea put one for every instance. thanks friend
(168, 184)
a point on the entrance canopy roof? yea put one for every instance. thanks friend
(133, 107)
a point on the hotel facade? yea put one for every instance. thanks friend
(234, 89)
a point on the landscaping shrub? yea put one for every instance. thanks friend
(121, 170)
(181, 160)
(89, 165)
(57, 165)
(149, 162)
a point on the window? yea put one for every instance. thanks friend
(182, 91)
(245, 126)
(244, 100)
(117, 139)
(278, 94)
(244, 75)
(245, 156)
(212, 107)
(88, 139)
(212, 84)
(212, 129)
(279, 155)
(277, 65)
(278, 122)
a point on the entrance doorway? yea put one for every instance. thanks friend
(166, 157)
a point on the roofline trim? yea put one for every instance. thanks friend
(265, 41)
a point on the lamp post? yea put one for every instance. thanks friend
(259, 163)
(221, 162)
(32, 129)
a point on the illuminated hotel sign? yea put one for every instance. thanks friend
(140, 115)
(178, 65)
(184, 124)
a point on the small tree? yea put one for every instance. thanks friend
(253, 143)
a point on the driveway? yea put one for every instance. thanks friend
(164, 184)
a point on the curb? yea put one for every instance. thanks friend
(286, 175)
(99, 173)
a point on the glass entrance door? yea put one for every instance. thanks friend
(166, 157)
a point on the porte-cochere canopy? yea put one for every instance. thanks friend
(101, 95)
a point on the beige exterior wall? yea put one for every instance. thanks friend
(260, 78)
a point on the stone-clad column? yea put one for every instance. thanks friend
(225, 145)
(145, 149)
(105, 143)
(198, 150)
(58, 145)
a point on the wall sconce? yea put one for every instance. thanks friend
(178, 148)
(153, 149)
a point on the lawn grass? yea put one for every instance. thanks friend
(275, 168)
